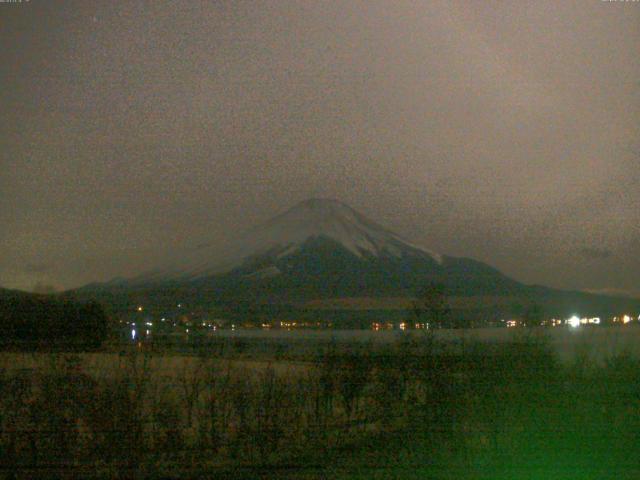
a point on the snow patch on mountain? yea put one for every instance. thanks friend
(267, 272)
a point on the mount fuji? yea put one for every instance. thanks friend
(261, 250)
(321, 251)
(322, 248)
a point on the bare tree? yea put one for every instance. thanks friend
(191, 379)
(432, 308)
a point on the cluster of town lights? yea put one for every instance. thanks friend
(575, 321)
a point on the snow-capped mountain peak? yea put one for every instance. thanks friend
(331, 219)
(286, 233)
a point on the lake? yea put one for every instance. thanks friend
(594, 343)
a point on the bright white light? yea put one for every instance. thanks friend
(626, 319)
(133, 334)
(574, 321)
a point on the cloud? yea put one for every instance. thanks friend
(36, 268)
(594, 253)
(44, 288)
(618, 292)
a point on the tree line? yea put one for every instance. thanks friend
(30, 320)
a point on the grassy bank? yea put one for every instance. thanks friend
(411, 409)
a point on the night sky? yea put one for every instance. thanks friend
(505, 131)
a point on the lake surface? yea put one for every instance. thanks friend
(591, 343)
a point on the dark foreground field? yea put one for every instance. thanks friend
(415, 408)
